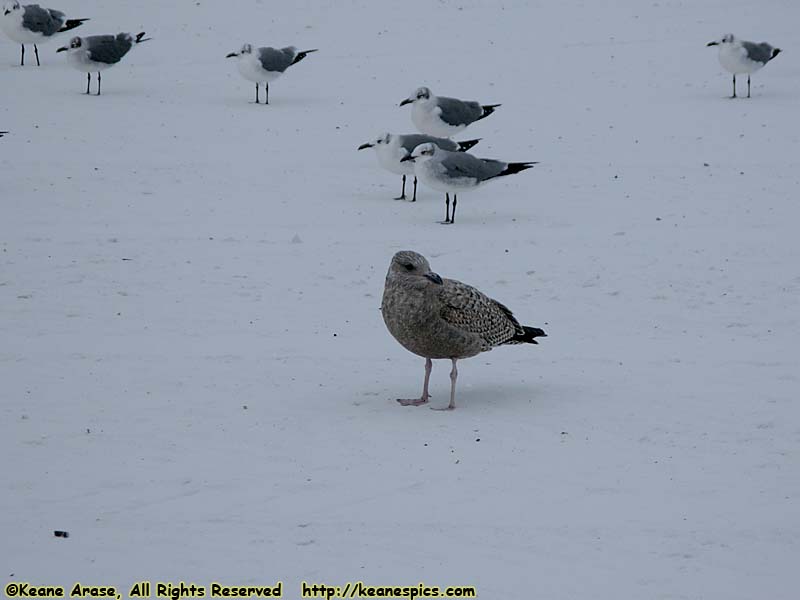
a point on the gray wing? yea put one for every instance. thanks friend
(462, 164)
(411, 141)
(458, 112)
(42, 20)
(470, 310)
(276, 60)
(108, 49)
(758, 52)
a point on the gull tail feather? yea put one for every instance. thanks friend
(528, 335)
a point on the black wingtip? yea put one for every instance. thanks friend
(529, 335)
(467, 144)
(775, 52)
(140, 38)
(487, 110)
(71, 24)
(301, 55)
(516, 167)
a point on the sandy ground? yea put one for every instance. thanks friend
(196, 380)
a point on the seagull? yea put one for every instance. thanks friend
(444, 318)
(737, 56)
(457, 172)
(444, 117)
(96, 53)
(33, 24)
(391, 149)
(266, 64)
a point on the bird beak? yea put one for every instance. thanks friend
(232, 54)
(712, 44)
(7, 12)
(62, 49)
(363, 146)
(406, 101)
(407, 157)
(434, 278)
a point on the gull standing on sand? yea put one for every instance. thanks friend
(263, 65)
(391, 149)
(442, 116)
(97, 53)
(457, 172)
(739, 57)
(444, 318)
(33, 24)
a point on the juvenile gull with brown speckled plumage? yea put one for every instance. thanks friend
(444, 318)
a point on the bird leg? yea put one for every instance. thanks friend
(734, 86)
(36, 52)
(22, 58)
(455, 201)
(98, 83)
(257, 102)
(88, 82)
(414, 199)
(266, 92)
(446, 209)
(425, 395)
(402, 195)
(748, 85)
(453, 377)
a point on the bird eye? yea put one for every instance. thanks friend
(409, 267)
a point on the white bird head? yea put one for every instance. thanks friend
(420, 94)
(382, 140)
(423, 152)
(74, 44)
(728, 38)
(10, 7)
(246, 49)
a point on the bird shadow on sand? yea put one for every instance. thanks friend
(514, 396)
(274, 103)
(45, 66)
(111, 92)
